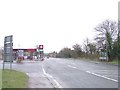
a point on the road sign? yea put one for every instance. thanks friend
(40, 46)
(8, 50)
(40, 50)
(21, 53)
(8, 39)
(102, 55)
(8, 45)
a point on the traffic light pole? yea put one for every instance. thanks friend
(40, 52)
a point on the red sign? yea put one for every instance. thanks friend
(40, 46)
(25, 50)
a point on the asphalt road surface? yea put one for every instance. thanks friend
(72, 73)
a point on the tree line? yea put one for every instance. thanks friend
(107, 38)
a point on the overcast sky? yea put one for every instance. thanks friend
(53, 23)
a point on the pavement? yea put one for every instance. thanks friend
(41, 79)
(38, 80)
(37, 77)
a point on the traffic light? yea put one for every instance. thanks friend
(40, 46)
(41, 52)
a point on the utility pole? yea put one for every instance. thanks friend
(118, 40)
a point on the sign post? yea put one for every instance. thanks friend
(8, 50)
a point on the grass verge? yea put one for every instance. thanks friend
(14, 79)
(0, 79)
(115, 62)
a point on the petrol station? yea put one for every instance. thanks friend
(29, 54)
(22, 54)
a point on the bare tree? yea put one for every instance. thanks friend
(78, 49)
(85, 44)
(92, 48)
(1, 53)
(118, 40)
(107, 33)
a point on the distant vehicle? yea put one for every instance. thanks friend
(30, 57)
(20, 58)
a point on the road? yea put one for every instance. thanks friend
(82, 74)
(71, 73)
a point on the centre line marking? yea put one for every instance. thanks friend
(72, 66)
(102, 76)
(73, 63)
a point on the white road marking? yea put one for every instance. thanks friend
(72, 66)
(49, 76)
(96, 74)
(102, 76)
(73, 63)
